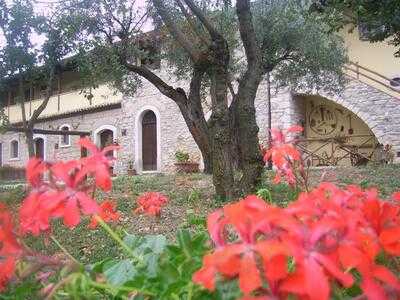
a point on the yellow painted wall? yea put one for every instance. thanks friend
(326, 120)
(66, 102)
(378, 57)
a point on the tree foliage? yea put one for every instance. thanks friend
(381, 19)
(216, 47)
(26, 62)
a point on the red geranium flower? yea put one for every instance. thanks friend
(150, 203)
(9, 247)
(64, 195)
(324, 234)
(107, 213)
(283, 154)
(98, 163)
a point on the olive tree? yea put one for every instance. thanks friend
(224, 52)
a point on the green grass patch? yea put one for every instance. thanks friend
(191, 199)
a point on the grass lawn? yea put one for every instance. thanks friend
(191, 199)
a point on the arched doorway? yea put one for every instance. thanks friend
(39, 147)
(149, 141)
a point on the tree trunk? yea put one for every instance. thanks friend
(30, 143)
(269, 113)
(251, 162)
(207, 160)
(220, 124)
(194, 119)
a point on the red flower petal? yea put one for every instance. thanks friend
(390, 240)
(206, 275)
(88, 205)
(249, 275)
(372, 290)
(344, 278)
(71, 214)
(317, 284)
(295, 129)
(386, 276)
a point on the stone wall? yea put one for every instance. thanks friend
(85, 122)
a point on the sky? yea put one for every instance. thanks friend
(45, 7)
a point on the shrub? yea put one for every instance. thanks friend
(11, 173)
(182, 157)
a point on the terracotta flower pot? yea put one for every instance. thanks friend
(187, 167)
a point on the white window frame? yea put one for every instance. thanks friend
(99, 130)
(60, 141)
(11, 150)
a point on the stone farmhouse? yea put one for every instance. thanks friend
(351, 128)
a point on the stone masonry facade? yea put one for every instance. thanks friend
(378, 110)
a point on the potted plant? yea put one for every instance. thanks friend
(183, 163)
(131, 168)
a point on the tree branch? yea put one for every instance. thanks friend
(191, 23)
(247, 32)
(161, 85)
(36, 113)
(22, 100)
(175, 31)
(203, 19)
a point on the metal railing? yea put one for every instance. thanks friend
(340, 149)
(372, 75)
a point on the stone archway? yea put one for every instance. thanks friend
(376, 108)
(334, 135)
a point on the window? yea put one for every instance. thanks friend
(369, 31)
(65, 139)
(395, 82)
(14, 149)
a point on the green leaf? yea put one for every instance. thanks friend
(121, 272)
(98, 267)
(145, 244)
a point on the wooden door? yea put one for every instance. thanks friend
(149, 141)
(106, 139)
(39, 148)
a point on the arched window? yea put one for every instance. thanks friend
(14, 149)
(104, 136)
(65, 139)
